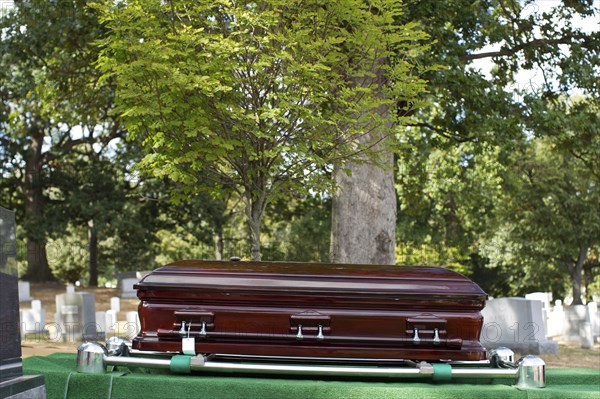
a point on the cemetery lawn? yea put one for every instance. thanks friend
(571, 356)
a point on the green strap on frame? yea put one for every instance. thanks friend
(181, 364)
(442, 372)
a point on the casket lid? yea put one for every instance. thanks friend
(311, 278)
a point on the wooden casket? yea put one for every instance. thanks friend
(328, 311)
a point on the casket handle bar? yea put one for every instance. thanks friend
(318, 333)
(530, 371)
(186, 317)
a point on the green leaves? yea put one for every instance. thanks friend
(266, 98)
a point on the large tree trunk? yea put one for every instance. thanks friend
(93, 253)
(576, 271)
(364, 215)
(363, 228)
(37, 261)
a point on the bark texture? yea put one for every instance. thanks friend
(37, 261)
(364, 215)
(363, 226)
(576, 271)
(93, 252)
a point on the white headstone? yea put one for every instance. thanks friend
(76, 316)
(556, 321)
(127, 290)
(111, 322)
(24, 291)
(70, 289)
(585, 335)
(115, 304)
(578, 325)
(36, 305)
(544, 297)
(516, 323)
(101, 321)
(594, 319)
(133, 325)
(574, 316)
(33, 321)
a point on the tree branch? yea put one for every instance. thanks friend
(536, 43)
(443, 132)
(68, 145)
(5, 141)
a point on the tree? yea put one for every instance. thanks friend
(460, 154)
(91, 194)
(562, 181)
(299, 230)
(471, 104)
(364, 210)
(552, 216)
(262, 99)
(51, 104)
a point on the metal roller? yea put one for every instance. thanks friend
(93, 358)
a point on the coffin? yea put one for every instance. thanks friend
(327, 311)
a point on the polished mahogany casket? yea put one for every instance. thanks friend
(306, 310)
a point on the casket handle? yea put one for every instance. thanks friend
(392, 341)
(311, 323)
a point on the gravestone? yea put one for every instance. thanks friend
(123, 275)
(594, 319)
(33, 321)
(24, 291)
(115, 304)
(127, 290)
(101, 324)
(126, 280)
(132, 328)
(556, 320)
(76, 316)
(544, 297)
(13, 384)
(516, 323)
(112, 326)
(578, 326)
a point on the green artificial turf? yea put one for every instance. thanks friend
(63, 381)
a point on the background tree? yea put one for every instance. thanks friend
(550, 220)
(299, 230)
(52, 103)
(460, 157)
(259, 97)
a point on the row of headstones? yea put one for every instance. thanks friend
(533, 326)
(75, 322)
(575, 323)
(76, 319)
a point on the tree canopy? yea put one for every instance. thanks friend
(51, 105)
(249, 112)
(262, 99)
(461, 183)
